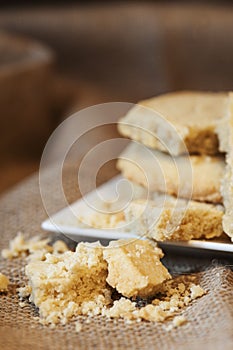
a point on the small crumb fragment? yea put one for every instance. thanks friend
(4, 281)
(122, 308)
(78, 327)
(178, 321)
(24, 292)
(60, 247)
(196, 291)
(22, 304)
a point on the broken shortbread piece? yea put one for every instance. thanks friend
(174, 219)
(64, 286)
(177, 122)
(134, 267)
(61, 284)
(191, 177)
(225, 133)
(4, 281)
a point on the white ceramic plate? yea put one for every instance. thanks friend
(66, 221)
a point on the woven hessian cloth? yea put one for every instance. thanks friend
(210, 318)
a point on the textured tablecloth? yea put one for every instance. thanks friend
(210, 318)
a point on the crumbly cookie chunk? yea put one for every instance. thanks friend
(64, 286)
(193, 116)
(175, 219)
(4, 281)
(61, 284)
(196, 177)
(225, 133)
(134, 267)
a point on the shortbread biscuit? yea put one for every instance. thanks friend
(62, 283)
(134, 267)
(177, 122)
(174, 219)
(225, 133)
(195, 177)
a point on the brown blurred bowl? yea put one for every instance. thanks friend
(25, 94)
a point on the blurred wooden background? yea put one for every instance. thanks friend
(104, 52)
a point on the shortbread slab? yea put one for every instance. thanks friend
(178, 122)
(225, 133)
(192, 177)
(174, 219)
(134, 267)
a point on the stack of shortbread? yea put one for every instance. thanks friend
(176, 151)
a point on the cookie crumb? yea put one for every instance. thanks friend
(22, 304)
(196, 291)
(78, 327)
(179, 321)
(4, 282)
(60, 247)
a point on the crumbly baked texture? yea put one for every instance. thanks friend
(34, 248)
(174, 295)
(19, 246)
(188, 122)
(66, 285)
(225, 133)
(175, 219)
(196, 177)
(4, 281)
(134, 267)
(62, 284)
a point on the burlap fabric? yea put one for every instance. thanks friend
(210, 318)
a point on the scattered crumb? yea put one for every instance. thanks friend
(34, 248)
(78, 327)
(172, 298)
(24, 292)
(178, 321)
(4, 281)
(196, 291)
(22, 304)
(60, 247)
(122, 308)
(19, 246)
